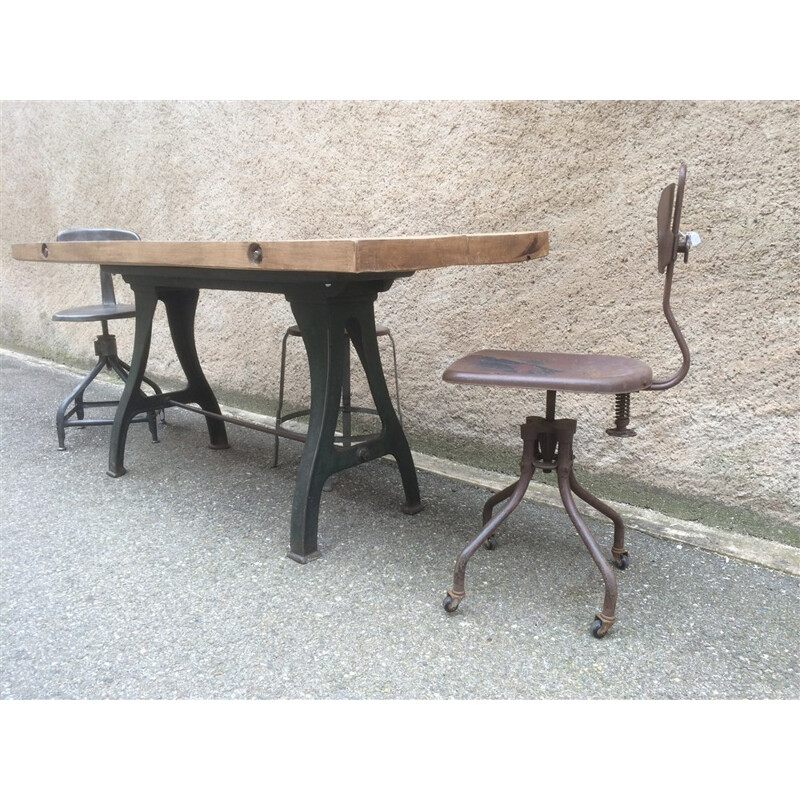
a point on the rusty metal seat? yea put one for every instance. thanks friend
(347, 409)
(105, 345)
(547, 441)
(564, 372)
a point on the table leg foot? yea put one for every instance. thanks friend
(300, 559)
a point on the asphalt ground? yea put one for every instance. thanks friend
(172, 582)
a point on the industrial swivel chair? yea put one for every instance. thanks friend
(105, 345)
(346, 409)
(547, 441)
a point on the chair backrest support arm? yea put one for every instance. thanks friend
(680, 373)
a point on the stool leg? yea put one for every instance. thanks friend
(80, 408)
(281, 385)
(605, 619)
(62, 415)
(618, 551)
(457, 592)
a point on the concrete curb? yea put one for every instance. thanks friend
(774, 555)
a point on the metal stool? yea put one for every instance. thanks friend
(547, 441)
(346, 409)
(105, 345)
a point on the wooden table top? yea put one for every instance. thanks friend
(401, 254)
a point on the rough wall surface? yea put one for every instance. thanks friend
(722, 447)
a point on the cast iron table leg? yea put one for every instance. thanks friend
(181, 305)
(394, 442)
(326, 348)
(324, 323)
(133, 400)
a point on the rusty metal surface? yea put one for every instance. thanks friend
(675, 242)
(666, 240)
(574, 372)
(547, 445)
(547, 442)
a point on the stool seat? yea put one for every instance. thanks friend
(573, 372)
(95, 313)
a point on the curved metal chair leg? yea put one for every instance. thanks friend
(457, 592)
(618, 551)
(495, 499)
(604, 619)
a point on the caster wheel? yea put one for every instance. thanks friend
(622, 561)
(449, 604)
(599, 630)
(491, 543)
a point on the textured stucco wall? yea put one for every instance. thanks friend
(720, 447)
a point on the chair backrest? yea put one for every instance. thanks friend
(99, 235)
(669, 234)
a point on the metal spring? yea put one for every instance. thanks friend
(622, 417)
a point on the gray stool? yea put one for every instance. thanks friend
(346, 409)
(105, 345)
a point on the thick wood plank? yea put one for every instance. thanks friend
(319, 255)
(378, 255)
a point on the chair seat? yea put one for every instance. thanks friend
(571, 372)
(95, 313)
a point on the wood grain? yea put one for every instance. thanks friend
(318, 255)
